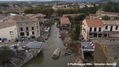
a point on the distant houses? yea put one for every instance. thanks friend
(100, 14)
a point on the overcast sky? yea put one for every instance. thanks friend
(32, 0)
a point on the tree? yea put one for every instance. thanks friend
(80, 17)
(1, 12)
(105, 18)
(68, 11)
(4, 5)
(5, 54)
(107, 8)
(37, 10)
(111, 7)
(47, 11)
(76, 33)
(30, 10)
(8, 12)
(69, 18)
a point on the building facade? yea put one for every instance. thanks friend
(28, 27)
(8, 28)
(19, 27)
(112, 15)
(95, 28)
(92, 28)
(111, 29)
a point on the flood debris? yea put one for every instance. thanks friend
(56, 53)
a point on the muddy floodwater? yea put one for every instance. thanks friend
(44, 57)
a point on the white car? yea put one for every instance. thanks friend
(0, 41)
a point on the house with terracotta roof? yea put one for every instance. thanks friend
(65, 23)
(92, 28)
(96, 28)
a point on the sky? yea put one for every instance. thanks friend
(32, 0)
(25, 0)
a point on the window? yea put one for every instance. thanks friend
(90, 29)
(27, 28)
(115, 57)
(22, 33)
(95, 35)
(27, 33)
(26, 24)
(20, 25)
(106, 27)
(11, 32)
(116, 27)
(37, 31)
(32, 24)
(21, 29)
(90, 34)
(37, 27)
(99, 29)
(95, 29)
(99, 35)
(111, 28)
(32, 28)
(32, 32)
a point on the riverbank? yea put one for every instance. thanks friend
(71, 46)
(26, 53)
(44, 58)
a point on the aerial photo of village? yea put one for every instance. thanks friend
(59, 33)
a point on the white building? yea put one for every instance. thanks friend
(92, 28)
(95, 28)
(111, 29)
(8, 29)
(19, 26)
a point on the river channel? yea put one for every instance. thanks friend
(44, 57)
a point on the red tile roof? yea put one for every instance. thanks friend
(94, 22)
(65, 20)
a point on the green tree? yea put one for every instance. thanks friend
(76, 33)
(8, 12)
(107, 8)
(37, 10)
(47, 11)
(80, 17)
(1, 12)
(69, 18)
(5, 54)
(105, 18)
(30, 10)
(4, 5)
